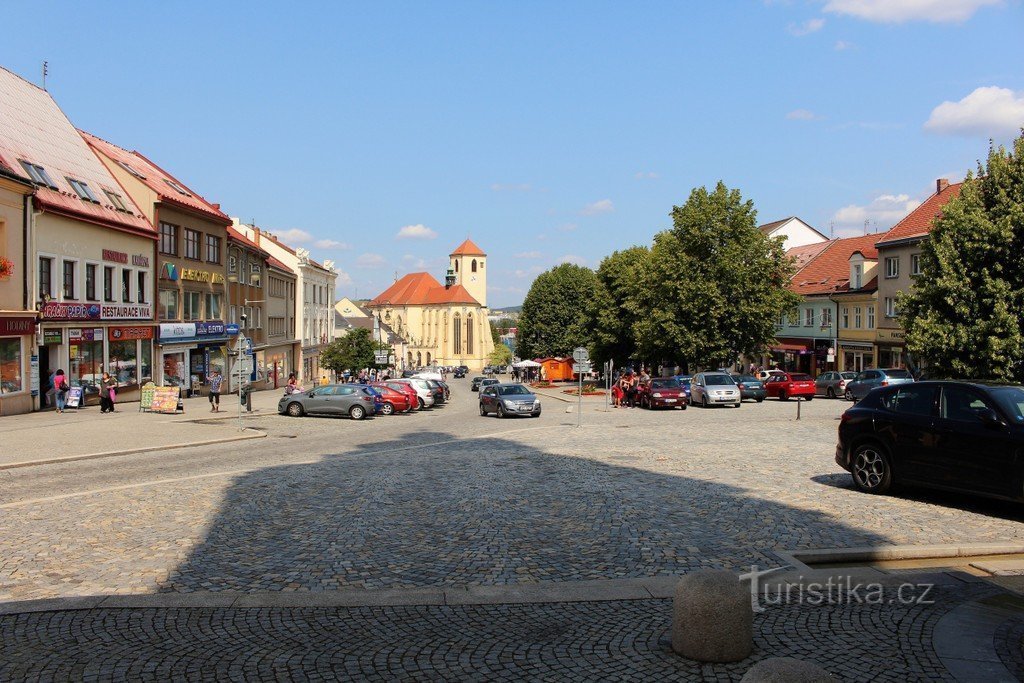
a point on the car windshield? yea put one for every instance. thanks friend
(800, 378)
(747, 379)
(489, 381)
(898, 374)
(664, 384)
(513, 390)
(849, 375)
(1011, 400)
(718, 380)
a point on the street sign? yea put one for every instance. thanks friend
(245, 366)
(582, 368)
(580, 355)
(380, 357)
(231, 329)
(248, 345)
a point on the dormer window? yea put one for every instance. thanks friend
(177, 188)
(82, 190)
(38, 174)
(128, 167)
(117, 200)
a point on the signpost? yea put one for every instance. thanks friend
(380, 357)
(582, 358)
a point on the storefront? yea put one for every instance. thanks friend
(891, 347)
(278, 363)
(856, 356)
(793, 354)
(189, 352)
(18, 367)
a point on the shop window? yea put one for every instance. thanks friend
(69, 280)
(146, 362)
(140, 291)
(90, 282)
(192, 244)
(192, 306)
(123, 364)
(174, 370)
(168, 304)
(213, 307)
(10, 366)
(168, 239)
(86, 365)
(108, 283)
(126, 285)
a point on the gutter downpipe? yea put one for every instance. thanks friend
(835, 340)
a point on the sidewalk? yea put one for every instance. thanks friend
(46, 437)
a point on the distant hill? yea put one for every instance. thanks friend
(508, 309)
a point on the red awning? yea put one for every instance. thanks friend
(797, 348)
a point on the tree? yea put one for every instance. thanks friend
(612, 313)
(714, 284)
(354, 351)
(553, 320)
(965, 315)
(501, 355)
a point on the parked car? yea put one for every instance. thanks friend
(440, 396)
(392, 400)
(873, 378)
(790, 385)
(447, 390)
(330, 399)
(965, 436)
(684, 384)
(508, 399)
(407, 389)
(764, 375)
(750, 387)
(714, 388)
(488, 381)
(475, 385)
(459, 373)
(662, 392)
(424, 394)
(833, 384)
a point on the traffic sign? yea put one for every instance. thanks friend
(245, 366)
(231, 329)
(580, 355)
(582, 368)
(380, 357)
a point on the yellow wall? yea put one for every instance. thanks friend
(12, 240)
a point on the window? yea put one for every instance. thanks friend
(69, 279)
(82, 190)
(871, 317)
(122, 362)
(232, 263)
(117, 200)
(192, 244)
(38, 174)
(90, 282)
(846, 317)
(213, 311)
(277, 288)
(961, 404)
(858, 272)
(911, 399)
(826, 317)
(130, 169)
(140, 292)
(469, 333)
(108, 283)
(277, 328)
(794, 318)
(856, 318)
(168, 304)
(472, 265)
(892, 266)
(890, 307)
(168, 239)
(258, 312)
(457, 334)
(915, 264)
(192, 306)
(45, 276)
(177, 188)
(126, 285)
(10, 366)
(782, 319)
(212, 249)
(256, 276)
(808, 317)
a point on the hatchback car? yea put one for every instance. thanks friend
(790, 385)
(874, 378)
(405, 388)
(424, 394)
(392, 401)
(488, 381)
(966, 436)
(475, 385)
(833, 384)
(750, 387)
(714, 388)
(662, 392)
(505, 400)
(353, 400)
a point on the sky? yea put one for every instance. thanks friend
(381, 135)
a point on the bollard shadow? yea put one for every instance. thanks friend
(488, 511)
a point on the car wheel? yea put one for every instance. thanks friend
(387, 409)
(848, 395)
(357, 412)
(704, 401)
(682, 406)
(808, 398)
(483, 411)
(871, 469)
(295, 409)
(831, 393)
(422, 404)
(782, 396)
(759, 400)
(501, 411)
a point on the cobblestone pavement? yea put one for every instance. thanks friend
(450, 498)
(615, 640)
(1009, 645)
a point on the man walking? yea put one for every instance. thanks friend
(216, 380)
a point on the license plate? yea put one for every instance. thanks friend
(670, 400)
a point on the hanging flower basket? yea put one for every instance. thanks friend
(6, 268)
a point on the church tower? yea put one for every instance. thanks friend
(469, 263)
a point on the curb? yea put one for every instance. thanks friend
(801, 559)
(130, 451)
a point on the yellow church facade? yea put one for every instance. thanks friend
(440, 324)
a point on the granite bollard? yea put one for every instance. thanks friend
(712, 618)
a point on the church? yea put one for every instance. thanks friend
(440, 324)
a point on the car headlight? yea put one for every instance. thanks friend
(656, 395)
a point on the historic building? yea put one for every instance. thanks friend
(440, 324)
(17, 315)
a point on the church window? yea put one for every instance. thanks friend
(472, 266)
(457, 334)
(469, 333)
(456, 266)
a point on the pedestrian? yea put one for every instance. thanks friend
(293, 384)
(216, 380)
(60, 389)
(107, 384)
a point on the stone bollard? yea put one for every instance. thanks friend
(712, 619)
(786, 670)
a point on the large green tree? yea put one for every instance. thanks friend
(964, 317)
(553, 321)
(714, 284)
(614, 310)
(501, 355)
(354, 351)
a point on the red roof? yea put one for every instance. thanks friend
(34, 129)
(830, 269)
(918, 222)
(801, 255)
(467, 248)
(155, 178)
(271, 261)
(422, 289)
(239, 237)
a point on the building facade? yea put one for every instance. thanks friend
(18, 359)
(794, 232)
(283, 348)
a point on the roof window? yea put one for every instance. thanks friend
(131, 169)
(83, 191)
(177, 188)
(37, 173)
(117, 200)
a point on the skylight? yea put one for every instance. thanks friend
(178, 188)
(83, 191)
(128, 167)
(37, 173)
(117, 200)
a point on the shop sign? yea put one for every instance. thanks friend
(130, 333)
(74, 399)
(115, 256)
(53, 337)
(58, 310)
(140, 260)
(210, 329)
(127, 312)
(891, 335)
(33, 370)
(86, 334)
(201, 276)
(15, 327)
(191, 330)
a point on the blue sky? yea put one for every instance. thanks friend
(544, 131)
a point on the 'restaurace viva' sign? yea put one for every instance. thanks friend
(58, 310)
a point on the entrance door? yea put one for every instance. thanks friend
(44, 375)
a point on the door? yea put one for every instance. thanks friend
(971, 454)
(489, 399)
(907, 424)
(823, 382)
(344, 398)
(322, 401)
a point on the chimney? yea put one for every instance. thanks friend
(256, 235)
(217, 206)
(941, 184)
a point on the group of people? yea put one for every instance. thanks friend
(58, 389)
(626, 387)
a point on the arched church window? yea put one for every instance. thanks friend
(456, 266)
(457, 334)
(469, 333)
(472, 266)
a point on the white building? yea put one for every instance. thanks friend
(794, 232)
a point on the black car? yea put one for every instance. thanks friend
(964, 436)
(438, 390)
(459, 373)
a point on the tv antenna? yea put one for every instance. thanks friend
(46, 70)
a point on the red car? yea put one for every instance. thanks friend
(662, 392)
(790, 385)
(395, 400)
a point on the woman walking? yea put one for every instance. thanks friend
(60, 389)
(107, 393)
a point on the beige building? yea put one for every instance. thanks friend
(18, 359)
(440, 324)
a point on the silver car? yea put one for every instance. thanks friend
(423, 391)
(874, 378)
(714, 388)
(833, 384)
(505, 400)
(353, 400)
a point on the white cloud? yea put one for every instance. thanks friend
(343, 277)
(881, 213)
(370, 261)
(532, 271)
(802, 115)
(511, 187)
(646, 175)
(986, 112)
(807, 27)
(529, 254)
(899, 11)
(598, 207)
(416, 232)
(294, 236)
(331, 244)
(574, 259)
(842, 45)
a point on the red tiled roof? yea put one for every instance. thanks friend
(801, 255)
(422, 289)
(155, 178)
(34, 129)
(467, 248)
(830, 269)
(239, 237)
(871, 286)
(918, 222)
(271, 261)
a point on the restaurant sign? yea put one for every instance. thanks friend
(58, 310)
(131, 333)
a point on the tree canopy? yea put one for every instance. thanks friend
(501, 355)
(965, 315)
(553, 320)
(354, 351)
(613, 312)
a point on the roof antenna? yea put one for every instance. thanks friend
(46, 70)
(866, 221)
(831, 229)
